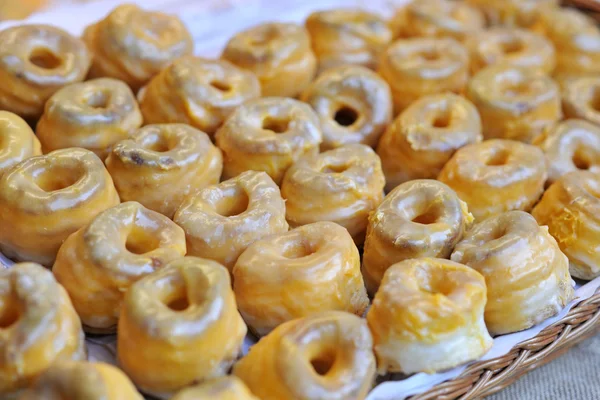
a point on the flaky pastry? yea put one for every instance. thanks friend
(523, 13)
(581, 99)
(224, 388)
(17, 141)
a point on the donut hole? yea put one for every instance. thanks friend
(442, 119)
(160, 144)
(98, 100)
(429, 55)
(44, 58)
(276, 125)
(595, 99)
(582, 160)
(221, 86)
(345, 116)
(177, 300)
(516, 89)
(180, 303)
(140, 241)
(298, 249)
(511, 46)
(57, 178)
(234, 204)
(323, 362)
(498, 158)
(426, 218)
(334, 169)
(9, 315)
(433, 283)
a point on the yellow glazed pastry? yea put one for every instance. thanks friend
(17, 141)
(511, 46)
(36, 61)
(418, 67)
(347, 36)
(326, 356)
(93, 115)
(225, 388)
(278, 54)
(99, 262)
(39, 326)
(526, 274)
(342, 185)
(221, 221)
(523, 13)
(46, 198)
(571, 209)
(353, 103)
(312, 268)
(82, 381)
(496, 176)
(198, 92)
(179, 326)
(269, 135)
(426, 134)
(514, 103)
(420, 218)
(581, 99)
(161, 164)
(133, 45)
(427, 316)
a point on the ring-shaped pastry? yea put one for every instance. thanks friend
(224, 388)
(427, 316)
(419, 142)
(46, 198)
(98, 263)
(581, 99)
(343, 185)
(327, 356)
(159, 165)
(353, 103)
(93, 115)
(420, 218)
(36, 61)
(198, 92)
(520, 13)
(17, 141)
(221, 221)
(179, 326)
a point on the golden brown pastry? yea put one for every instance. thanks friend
(511, 46)
(345, 36)
(581, 99)
(38, 324)
(312, 268)
(36, 61)
(571, 209)
(343, 185)
(133, 45)
(269, 135)
(221, 221)
(514, 103)
(82, 381)
(523, 13)
(418, 67)
(326, 356)
(46, 198)
(420, 218)
(159, 165)
(425, 135)
(198, 92)
(279, 55)
(17, 141)
(93, 115)
(98, 263)
(179, 326)
(496, 176)
(427, 316)
(526, 274)
(225, 388)
(354, 105)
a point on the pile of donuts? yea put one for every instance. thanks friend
(181, 202)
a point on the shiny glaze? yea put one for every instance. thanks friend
(581, 97)
(17, 141)
(521, 13)
(225, 388)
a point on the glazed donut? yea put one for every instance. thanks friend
(225, 388)
(514, 103)
(36, 61)
(526, 274)
(353, 103)
(279, 54)
(221, 221)
(179, 326)
(82, 381)
(312, 268)
(159, 165)
(343, 185)
(198, 92)
(133, 45)
(46, 198)
(420, 218)
(93, 115)
(17, 141)
(581, 99)
(345, 36)
(326, 356)
(269, 135)
(423, 138)
(523, 13)
(569, 146)
(418, 67)
(571, 210)
(496, 176)
(427, 316)
(39, 326)
(98, 263)
(511, 46)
